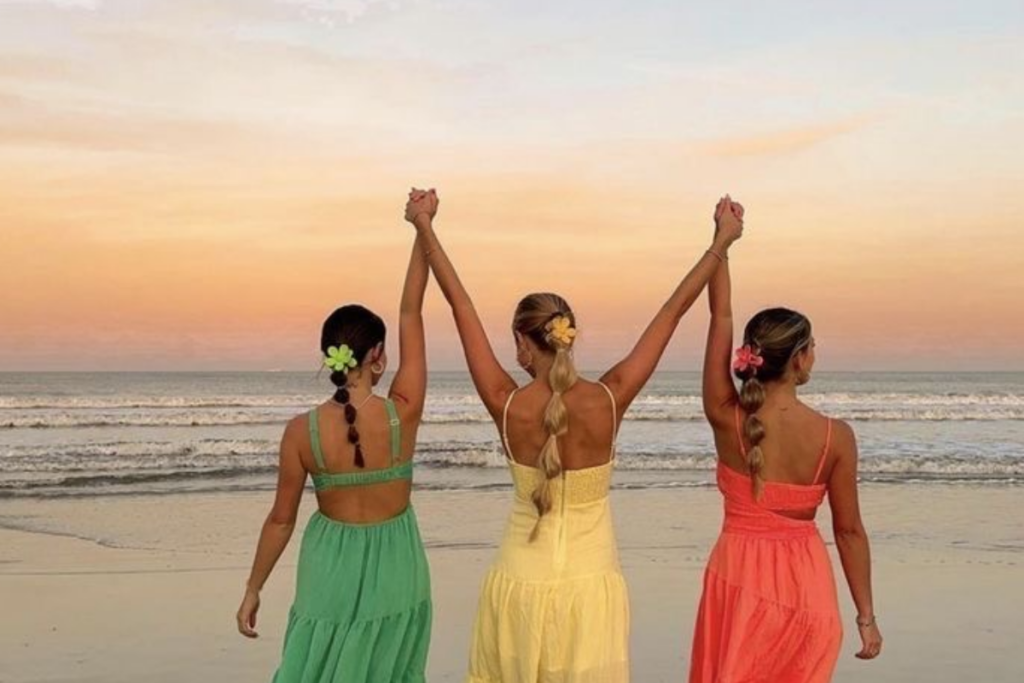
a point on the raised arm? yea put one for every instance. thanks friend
(492, 383)
(278, 527)
(409, 387)
(628, 377)
(719, 392)
(851, 538)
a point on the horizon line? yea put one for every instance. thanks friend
(274, 371)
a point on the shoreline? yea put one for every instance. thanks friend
(145, 587)
(495, 480)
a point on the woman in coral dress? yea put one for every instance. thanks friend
(769, 610)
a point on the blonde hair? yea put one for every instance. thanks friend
(777, 335)
(542, 317)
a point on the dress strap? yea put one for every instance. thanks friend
(396, 430)
(504, 425)
(615, 416)
(314, 439)
(739, 432)
(824, 451)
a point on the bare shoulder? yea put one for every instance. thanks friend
(592, 392)
(844, 441)
(814, 415)
(295, 430)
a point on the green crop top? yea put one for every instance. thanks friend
(323, 479)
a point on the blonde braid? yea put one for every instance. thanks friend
(751, 399)
(775, 336)
(548, 320)
(556, 420)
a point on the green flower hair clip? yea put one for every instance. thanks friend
(340, 358)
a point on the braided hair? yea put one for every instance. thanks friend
(538, 317)
(776, 335)
(361, 330)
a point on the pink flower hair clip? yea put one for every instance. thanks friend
(747, 358)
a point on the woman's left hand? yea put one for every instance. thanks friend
(871, 641)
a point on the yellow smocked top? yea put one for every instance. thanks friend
(580, 487)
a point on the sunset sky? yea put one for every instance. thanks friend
(195, 184)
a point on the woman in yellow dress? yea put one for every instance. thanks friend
(554, 607)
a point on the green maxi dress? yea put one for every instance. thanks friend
(362, 610)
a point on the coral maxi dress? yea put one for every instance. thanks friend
(769, 611)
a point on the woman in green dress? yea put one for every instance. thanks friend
(362, 609)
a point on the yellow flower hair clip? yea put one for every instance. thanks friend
(561, 330)
(340, 358)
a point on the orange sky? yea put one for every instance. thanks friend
(176, 198)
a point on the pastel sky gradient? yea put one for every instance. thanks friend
(195, 184)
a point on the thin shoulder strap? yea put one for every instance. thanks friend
(396, 430)
(739, 432)
(314, 440)
(615, 416)
(824, 451)
(504, 425)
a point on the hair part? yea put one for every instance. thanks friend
(361, 330)
(533, 319)
(776, 335)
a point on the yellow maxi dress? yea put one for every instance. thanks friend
(555, 610)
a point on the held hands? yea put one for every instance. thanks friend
(728, 221)
(246, 616)
(422, 205)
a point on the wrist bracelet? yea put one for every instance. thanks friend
(718, 256)
(868, 622)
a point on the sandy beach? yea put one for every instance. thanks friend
(130, 588)
(190, 188)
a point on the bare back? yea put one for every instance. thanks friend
(796, 447)
(592, 425)
(366, 502)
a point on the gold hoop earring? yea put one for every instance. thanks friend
(377, 368)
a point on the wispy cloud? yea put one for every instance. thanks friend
(69, 4)
(29, 123)
(199, 167)
(329, 11)
(18, 67)
(787, 141)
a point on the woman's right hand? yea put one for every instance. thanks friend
(728, 220)
(246, 616)
(871, 641)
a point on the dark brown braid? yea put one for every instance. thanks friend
(342, 396)
(361, 330)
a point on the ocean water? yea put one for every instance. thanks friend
(130, 433)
